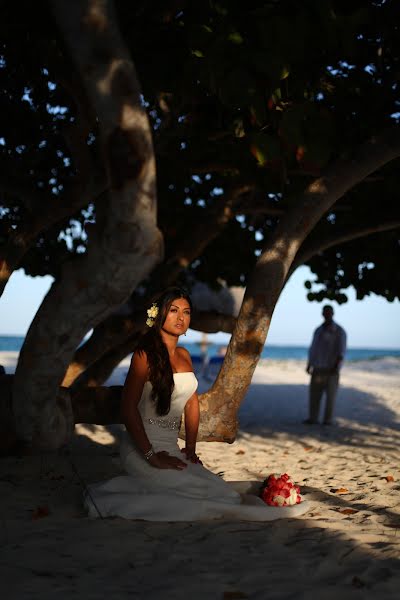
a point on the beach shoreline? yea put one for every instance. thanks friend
(347, 545)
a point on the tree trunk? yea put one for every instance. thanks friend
(8, 434)
(220, 405)
(126, 244)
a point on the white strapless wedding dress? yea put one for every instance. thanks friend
(192, 494)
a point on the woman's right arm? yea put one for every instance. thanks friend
(131, 394)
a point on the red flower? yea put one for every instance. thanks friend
(279, 490)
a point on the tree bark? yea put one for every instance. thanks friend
(102, 369)
(126, 243)
(220, 405)
(108, 335)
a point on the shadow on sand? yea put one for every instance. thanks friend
(291, 558)
(361, 419)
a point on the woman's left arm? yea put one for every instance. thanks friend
(192, 418)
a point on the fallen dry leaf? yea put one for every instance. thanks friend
(341, 490)
(308, 448)
(241, 452)
(389, 478)
(348, 511)
(40, 512)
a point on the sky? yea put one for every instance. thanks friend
(370, 323)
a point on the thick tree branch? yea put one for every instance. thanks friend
(268, 278)
(126, 244)
(315, 245)
(20, 240)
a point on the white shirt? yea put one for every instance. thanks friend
(328, 345)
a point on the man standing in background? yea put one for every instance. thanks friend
(325, 358)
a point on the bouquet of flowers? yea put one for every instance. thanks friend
(279, 490)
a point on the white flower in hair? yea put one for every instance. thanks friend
(152, 313)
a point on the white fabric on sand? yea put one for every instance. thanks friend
(191, 494)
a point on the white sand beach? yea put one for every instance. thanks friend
(347, 546)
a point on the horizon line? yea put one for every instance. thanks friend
(279, 345)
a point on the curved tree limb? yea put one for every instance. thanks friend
(127, 243)
(314, 245)
(22, 239)
(221, 403)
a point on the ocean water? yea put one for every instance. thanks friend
(14, 343)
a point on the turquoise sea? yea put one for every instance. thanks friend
(14, 343)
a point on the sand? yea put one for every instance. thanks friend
(346, 546)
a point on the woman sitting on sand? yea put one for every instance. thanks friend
(163, 482)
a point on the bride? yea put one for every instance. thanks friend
(163, 482)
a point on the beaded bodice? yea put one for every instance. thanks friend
(185, 386)
(162, 431)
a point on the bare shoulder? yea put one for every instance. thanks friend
(183, 350)
(184, 355)
(139, 362)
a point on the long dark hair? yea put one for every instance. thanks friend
(160, 370)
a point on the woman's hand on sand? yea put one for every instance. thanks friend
(191, 455)
(163, 460)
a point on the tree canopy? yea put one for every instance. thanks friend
(264, 95)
